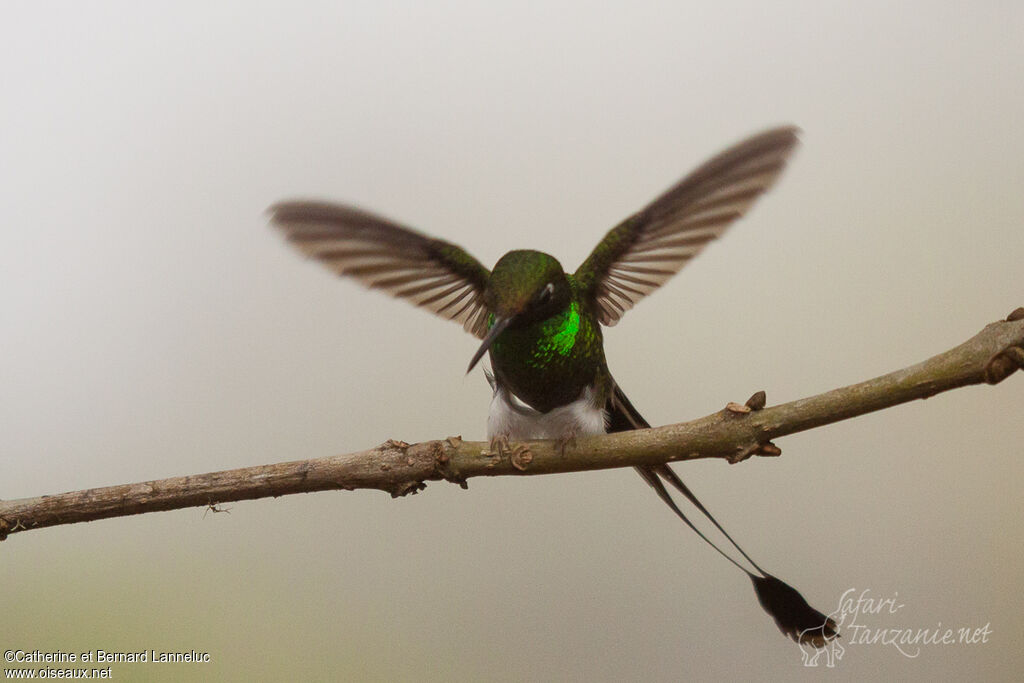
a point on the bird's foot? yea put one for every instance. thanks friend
(518, 454)
(498, 446)
(566, 441)
(502, 446)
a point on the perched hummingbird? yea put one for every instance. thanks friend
(541, 326)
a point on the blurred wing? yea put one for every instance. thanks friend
(641, 253)
(431, 273)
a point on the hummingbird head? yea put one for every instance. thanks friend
(525, 287)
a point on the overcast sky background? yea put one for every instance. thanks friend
(152, 325)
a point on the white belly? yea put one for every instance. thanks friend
(511, 418)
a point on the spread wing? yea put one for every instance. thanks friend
(431, 273)
(641, 253)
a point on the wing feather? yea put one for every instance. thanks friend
(431, 273)
(645, 250)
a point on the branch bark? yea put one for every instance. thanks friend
(734, 433)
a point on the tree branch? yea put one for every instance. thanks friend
(734, 433)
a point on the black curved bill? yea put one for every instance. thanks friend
(497, 328)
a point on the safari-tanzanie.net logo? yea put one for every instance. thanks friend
(866, 620)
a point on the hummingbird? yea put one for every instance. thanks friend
(542, 327)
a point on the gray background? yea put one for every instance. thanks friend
(152, 325)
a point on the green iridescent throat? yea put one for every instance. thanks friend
(542, 342)
(558, 334)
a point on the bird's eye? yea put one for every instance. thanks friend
(545, 294)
